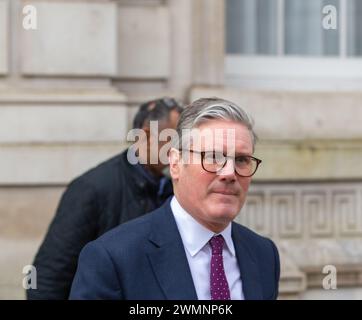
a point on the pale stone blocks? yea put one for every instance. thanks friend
(51, 164)
(306, 160)
(61, 120)
(50, 139)
(25, 214)
(286, 115)
(15, 254)
(4, 36)
(208, 23)
(27, 211)
(144, 42)
(62, 124)
(73, 38)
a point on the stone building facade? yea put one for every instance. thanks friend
(69, 89)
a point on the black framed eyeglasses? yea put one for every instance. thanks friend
(214, 161)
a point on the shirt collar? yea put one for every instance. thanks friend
(194, 235)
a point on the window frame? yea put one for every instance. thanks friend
(297, 72)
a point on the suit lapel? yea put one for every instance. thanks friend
(168, 258)
(169, 262)
(249, 271)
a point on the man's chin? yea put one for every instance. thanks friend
(225, 211)
(225, 199)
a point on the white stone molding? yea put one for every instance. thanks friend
(4, 34)
(304, 210)
(144, 42)
(70, 40)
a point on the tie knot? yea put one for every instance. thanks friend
(217, 244)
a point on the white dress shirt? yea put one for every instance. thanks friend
(195, 238)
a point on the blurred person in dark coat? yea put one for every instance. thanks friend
(104, 197)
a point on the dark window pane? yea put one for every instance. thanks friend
(304, 32)
(251, 26)
(354, 21)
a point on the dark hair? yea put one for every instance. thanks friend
(158, 109)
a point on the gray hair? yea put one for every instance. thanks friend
(206, 109)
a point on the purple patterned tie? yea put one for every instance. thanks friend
(219, 287)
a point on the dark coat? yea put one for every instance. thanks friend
(144, 259)
(97, 201)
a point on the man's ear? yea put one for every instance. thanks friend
(174, 158)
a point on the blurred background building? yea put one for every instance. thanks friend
(69, 90)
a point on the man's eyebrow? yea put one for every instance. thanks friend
(237, 154)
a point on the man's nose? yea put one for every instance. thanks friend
(228, 171)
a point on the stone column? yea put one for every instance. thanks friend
(208, 23)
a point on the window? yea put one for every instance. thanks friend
(283, 41)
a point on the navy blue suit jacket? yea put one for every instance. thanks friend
(144, 259)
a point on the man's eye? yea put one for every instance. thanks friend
(242, 159)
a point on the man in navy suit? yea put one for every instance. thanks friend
(190, 248)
